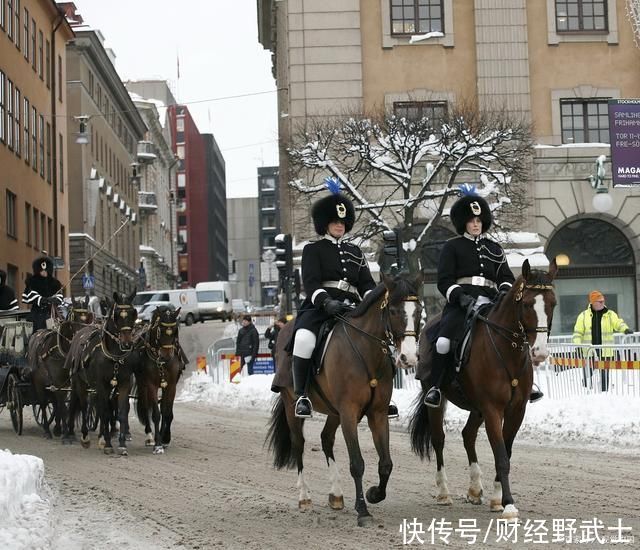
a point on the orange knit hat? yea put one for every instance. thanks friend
(595, 296)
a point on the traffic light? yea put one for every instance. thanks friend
(390, 250)
(284, 254)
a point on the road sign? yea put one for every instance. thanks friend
(88, 282)
(268, 255)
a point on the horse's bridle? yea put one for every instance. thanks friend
(123, 313)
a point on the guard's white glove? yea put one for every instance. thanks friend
(248, 358)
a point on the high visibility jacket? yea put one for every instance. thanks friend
(609, 324)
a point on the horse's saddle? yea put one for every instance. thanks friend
(322, 343)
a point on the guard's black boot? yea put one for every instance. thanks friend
(535, 394)
(433, 397)
(301, 369)
(392, 411)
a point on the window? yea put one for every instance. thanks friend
(435, 111)
(43, 231)
(33, 44)
(18, 130)
(182, 221)
(584, 120)
(63, 236)
(34, 139)
(36, 219)
(91, 83)
(48, 63)
(48, 152)
(26, 113)
(581, 15)
(61, 162)
(12, 230)
(180, 151)
(416, 16)
(27, 223)
(268, 221)
(10, 122)
(25, 36)
(2, 14)
(60, 79)
(268, 184)
(268, 202)
(40, 54)
(3, 113)
(182, 180)
(41, 133)
(17, 27)
(50, 234)
(9, 19)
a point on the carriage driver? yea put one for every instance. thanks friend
(472, 269)
(42, 290)
(335, 275)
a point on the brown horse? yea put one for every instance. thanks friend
(46, 355)
(494, 385)
(356, 380)
(158, 366)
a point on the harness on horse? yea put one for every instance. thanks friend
(153, 353)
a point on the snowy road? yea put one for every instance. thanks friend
(215, 488)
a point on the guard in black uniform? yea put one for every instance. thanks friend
(335, 275)
(471, 268)
(42, 290)
(8, 300)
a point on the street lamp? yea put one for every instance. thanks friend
(602, 201)
(82, 137)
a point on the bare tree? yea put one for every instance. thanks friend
(400, 172)
(633, 14)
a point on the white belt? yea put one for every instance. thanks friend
(476, 281)
(341, 285)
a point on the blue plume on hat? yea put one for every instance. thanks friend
(468, 190)
(333, 184)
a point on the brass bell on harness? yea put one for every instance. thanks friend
(373, 382)
(164, 384)
(114, 381)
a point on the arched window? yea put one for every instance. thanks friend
(592, 254)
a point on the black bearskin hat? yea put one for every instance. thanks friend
(467, 207)
(44, 262)
(334, 208)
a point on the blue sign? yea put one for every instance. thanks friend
(263, 365)
(88, 282)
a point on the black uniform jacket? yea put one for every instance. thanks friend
(38, 287)
(8, 301)
(466, 256)
(334, 260)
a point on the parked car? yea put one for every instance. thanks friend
(184, 298)
(214, 300)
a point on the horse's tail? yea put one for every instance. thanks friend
(419, 428)
(279, 437)
(142, 407)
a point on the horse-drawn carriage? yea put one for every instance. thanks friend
(16, 387)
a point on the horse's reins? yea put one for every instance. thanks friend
(506, 333)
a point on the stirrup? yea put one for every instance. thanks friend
(303, 407)
(535, 394)
(433, 398)
(392, 411)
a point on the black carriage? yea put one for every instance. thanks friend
(16, 389)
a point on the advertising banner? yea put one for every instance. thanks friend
(624, 134)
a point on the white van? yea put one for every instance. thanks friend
(214, 300)
(185, 298)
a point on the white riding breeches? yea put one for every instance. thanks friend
(443, 345)
(304, 343)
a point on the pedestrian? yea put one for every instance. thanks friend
(93, 305)
(8, 300)
(247, 343)
(596, 326)
(472, 270)
(335, 276)
(271, 334)
(42, 290)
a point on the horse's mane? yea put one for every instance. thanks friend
(369, 299)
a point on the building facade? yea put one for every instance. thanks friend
(156, 172)
(104, 238)
(244, 248)
(217, 211)
(34, 186)
(269, 227)
(554, 63)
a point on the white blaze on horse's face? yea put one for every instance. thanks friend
(539, 350)
(408, 356)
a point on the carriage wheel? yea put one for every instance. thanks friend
(37, 413)
(14, 403)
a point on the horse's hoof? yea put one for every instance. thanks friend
(496, 506)
(304, 505)
(510, 512)
(166, 445)
(148, 442)
(108, 450)
(128, 437)
(158, 450)
(374, 495)
(365, 520)
(122, 451)
(101, 442)
(336, 503)
(444, 500)
(48, 436)
(86, 443)
(474, 497)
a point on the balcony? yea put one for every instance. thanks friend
(146, 152)
(147, 202)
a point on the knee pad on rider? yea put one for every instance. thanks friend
(443, 345)
(304, 343)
